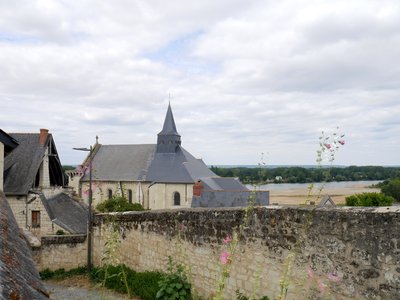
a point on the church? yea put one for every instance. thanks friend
(158, 176)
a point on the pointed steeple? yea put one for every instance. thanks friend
(169, 123)
(168, 140)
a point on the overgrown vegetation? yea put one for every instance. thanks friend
(308, 175)
(142, 284)
(61, 273)
(369, 199)
(118, 204)
(174, 285)
(391, 188)
(241, 296)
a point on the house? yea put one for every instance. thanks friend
(34, 183)
(158, 176)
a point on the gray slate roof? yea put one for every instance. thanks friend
(67, 213)
(19, 278)
(22, 164)
(8, 142)
(142, 163)
(121, 162)
(178, 167)
(223, 184)
(169, 123)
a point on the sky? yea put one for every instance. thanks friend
(243, 77)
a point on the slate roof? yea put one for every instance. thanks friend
(178, 167)
(67, 213)
(19, 278)
(223, 184)
(121, 162)
(142, 163)
(169, 123)
(22, 164)
(8, 142)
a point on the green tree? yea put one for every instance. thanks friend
(369, 199)
(392, 188)
(118, 204)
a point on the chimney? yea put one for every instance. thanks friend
(43, 136)
(198, 188)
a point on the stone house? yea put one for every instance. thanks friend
(158, 176)
(34, 183)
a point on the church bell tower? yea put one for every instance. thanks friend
(168, 140)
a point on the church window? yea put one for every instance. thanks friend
(130, 196)
(109, 191)
(177, 198)
(35, 218)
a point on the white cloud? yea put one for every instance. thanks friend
(244, 78)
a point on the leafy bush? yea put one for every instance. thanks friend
(60, 232)
(369, 199)
(142, 284)
(61, 273)
(116, 204)
(174, 284)
(241, 296)
(391, 188)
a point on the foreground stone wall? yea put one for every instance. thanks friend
(61, 251)
(345, 253)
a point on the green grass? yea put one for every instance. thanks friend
(141, 284)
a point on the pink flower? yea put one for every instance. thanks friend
(310, 272)
(333, 277)
(327, 146)
(342, 142)
(181, 227)
(225, 257)
(321, 287)
(228, 239)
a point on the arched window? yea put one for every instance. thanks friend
(109, 193)
(130, 196)
(177, 198)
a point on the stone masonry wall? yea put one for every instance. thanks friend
(348, 253)
(61, 251)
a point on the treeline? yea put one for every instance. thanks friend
(306, 175)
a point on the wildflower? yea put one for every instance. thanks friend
(225, 257)
(333, 277)
(181, 227)
(321, 287)
(341, 142)
(228, 239)
(327, 146)
(310, 272)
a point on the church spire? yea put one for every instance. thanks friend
(169, 123)
(168, 140)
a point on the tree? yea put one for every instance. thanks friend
(369, 199)
(118, 204)
(392, 188)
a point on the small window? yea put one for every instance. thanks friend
(130, 196)
(177, 198)
(109, 191)
(35, 218)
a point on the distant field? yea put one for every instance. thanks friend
(294, 194)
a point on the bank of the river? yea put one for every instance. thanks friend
(296, 193)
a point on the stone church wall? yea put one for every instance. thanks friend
(347, 252)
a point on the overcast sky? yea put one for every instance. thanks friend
(244, 77)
